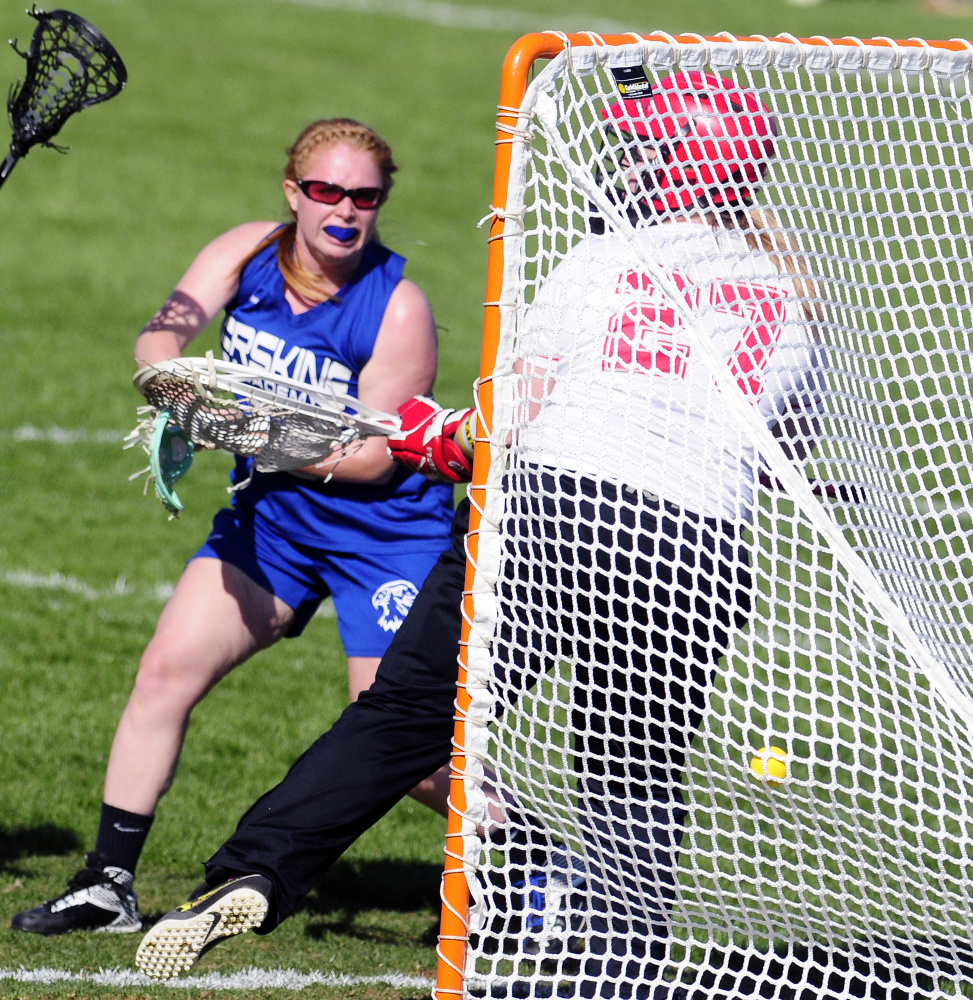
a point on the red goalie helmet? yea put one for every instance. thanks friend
(713, 141)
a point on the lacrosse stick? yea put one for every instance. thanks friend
(170, 456)
(70, 66)
(282, 423)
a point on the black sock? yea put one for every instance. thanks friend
(121, 837)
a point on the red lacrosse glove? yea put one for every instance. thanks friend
(426, 442)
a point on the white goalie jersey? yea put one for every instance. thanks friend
(612, 390)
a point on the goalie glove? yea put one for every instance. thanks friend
(427, 441)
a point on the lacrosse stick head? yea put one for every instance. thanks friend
(227, 406)
(70, 66)
(170, 456)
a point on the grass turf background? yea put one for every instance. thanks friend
(92, 243)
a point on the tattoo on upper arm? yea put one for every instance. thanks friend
(181, 314)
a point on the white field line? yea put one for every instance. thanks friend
(26, 579)
(248, 979)
(449, 15)
(61, 435)
(29, 579)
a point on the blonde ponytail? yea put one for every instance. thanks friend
(763, 232)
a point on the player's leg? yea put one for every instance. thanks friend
(396, 734)
(226, 605)
(568, 597)
(531, 895)
(433, 792)
(677, 587)
(361, 674)
(585, 569)
(216, 618)
(373, 592)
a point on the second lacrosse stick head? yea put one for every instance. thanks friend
(70, 66)
(170, 456)
(284, 426)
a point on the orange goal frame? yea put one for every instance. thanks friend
(516, 74)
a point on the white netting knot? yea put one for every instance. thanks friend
(897, 52)
(798, 53)
(928, 51)
(517, 133)
(735, 59)
(596, 39)
(566, 42)
(502, 215)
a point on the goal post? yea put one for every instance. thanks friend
(717, 652)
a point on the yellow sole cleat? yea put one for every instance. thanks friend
(173, 946)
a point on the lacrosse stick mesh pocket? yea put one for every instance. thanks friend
(277, 438)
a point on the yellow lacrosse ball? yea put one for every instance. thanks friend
(770, 766)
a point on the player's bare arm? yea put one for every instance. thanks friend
(402, 365)
(201, 293)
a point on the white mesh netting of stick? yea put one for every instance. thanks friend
(722, 641)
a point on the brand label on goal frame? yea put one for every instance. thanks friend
(631, 81)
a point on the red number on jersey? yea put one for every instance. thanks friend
(643, 337)
(647, 336)
(764, 310)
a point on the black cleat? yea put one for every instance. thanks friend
(98, 898)
(175, 943)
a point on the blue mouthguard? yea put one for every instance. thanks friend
(343, 233)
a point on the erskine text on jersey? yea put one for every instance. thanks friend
(269, 353)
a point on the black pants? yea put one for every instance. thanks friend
(653, 592)
(398, 733)
(640, 598)
(656, 595)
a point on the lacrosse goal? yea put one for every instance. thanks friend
(631, 859)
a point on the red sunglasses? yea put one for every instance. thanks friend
(331, 194)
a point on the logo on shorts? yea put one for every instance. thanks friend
(394, 599)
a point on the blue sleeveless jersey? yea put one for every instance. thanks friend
(330, 343)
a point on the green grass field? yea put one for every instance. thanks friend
(92, 244)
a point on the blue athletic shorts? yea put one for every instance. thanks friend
(372, 591)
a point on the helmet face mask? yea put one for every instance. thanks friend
(696, 142)
(632, 162)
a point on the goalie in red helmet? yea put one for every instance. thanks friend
(697, 142)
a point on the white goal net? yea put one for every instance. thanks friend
(721, 654)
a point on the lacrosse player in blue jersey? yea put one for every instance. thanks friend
(319, 299)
